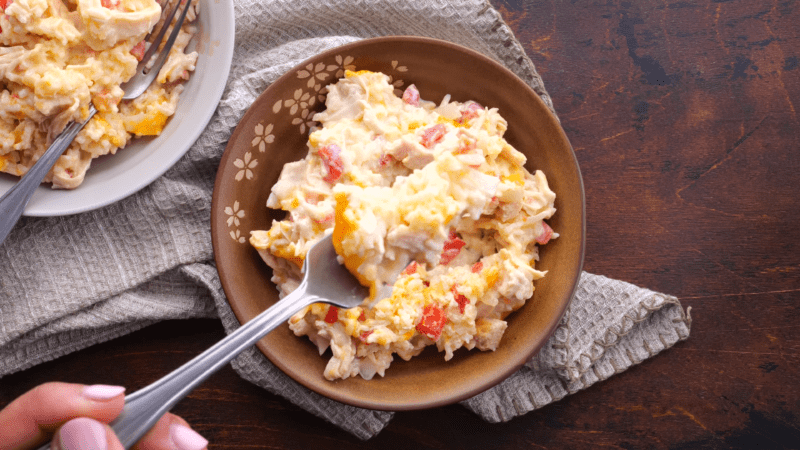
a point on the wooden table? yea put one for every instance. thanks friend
(683, 116)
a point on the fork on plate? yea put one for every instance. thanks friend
(13, 202)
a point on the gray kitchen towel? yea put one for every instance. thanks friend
(70, 282)
(609, 326)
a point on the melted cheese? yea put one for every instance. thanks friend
(433, 210)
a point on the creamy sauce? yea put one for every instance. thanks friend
(430, 207)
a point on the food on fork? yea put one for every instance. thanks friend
(58, 56)
(429, 206)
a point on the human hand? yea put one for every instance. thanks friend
(76, 417)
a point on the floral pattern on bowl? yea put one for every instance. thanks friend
(301, 107)
(274, 131)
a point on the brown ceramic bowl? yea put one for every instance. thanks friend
(275, 130)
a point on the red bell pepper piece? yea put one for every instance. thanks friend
(333, 314)
(411, 95)
(365, 335)
(432, 323)
(461, 299)
(331, 156)
(452, 247)
(410, 269)
(138, 51)
(433, 135)
(544, 238)
(470, 112)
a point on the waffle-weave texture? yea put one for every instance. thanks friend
(70, 282)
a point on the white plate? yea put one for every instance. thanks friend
(114, 177)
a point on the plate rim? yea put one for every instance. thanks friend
(222, 66)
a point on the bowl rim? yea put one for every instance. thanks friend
(331, 393)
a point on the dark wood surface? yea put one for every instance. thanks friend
(683, 116)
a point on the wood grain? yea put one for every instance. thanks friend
(683, 118)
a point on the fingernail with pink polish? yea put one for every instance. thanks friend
(185, 438)
(102, 392)
(83, 434)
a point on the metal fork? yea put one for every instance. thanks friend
(324, 280)
(13, 202)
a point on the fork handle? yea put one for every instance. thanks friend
(13, 202)
(144, 407)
